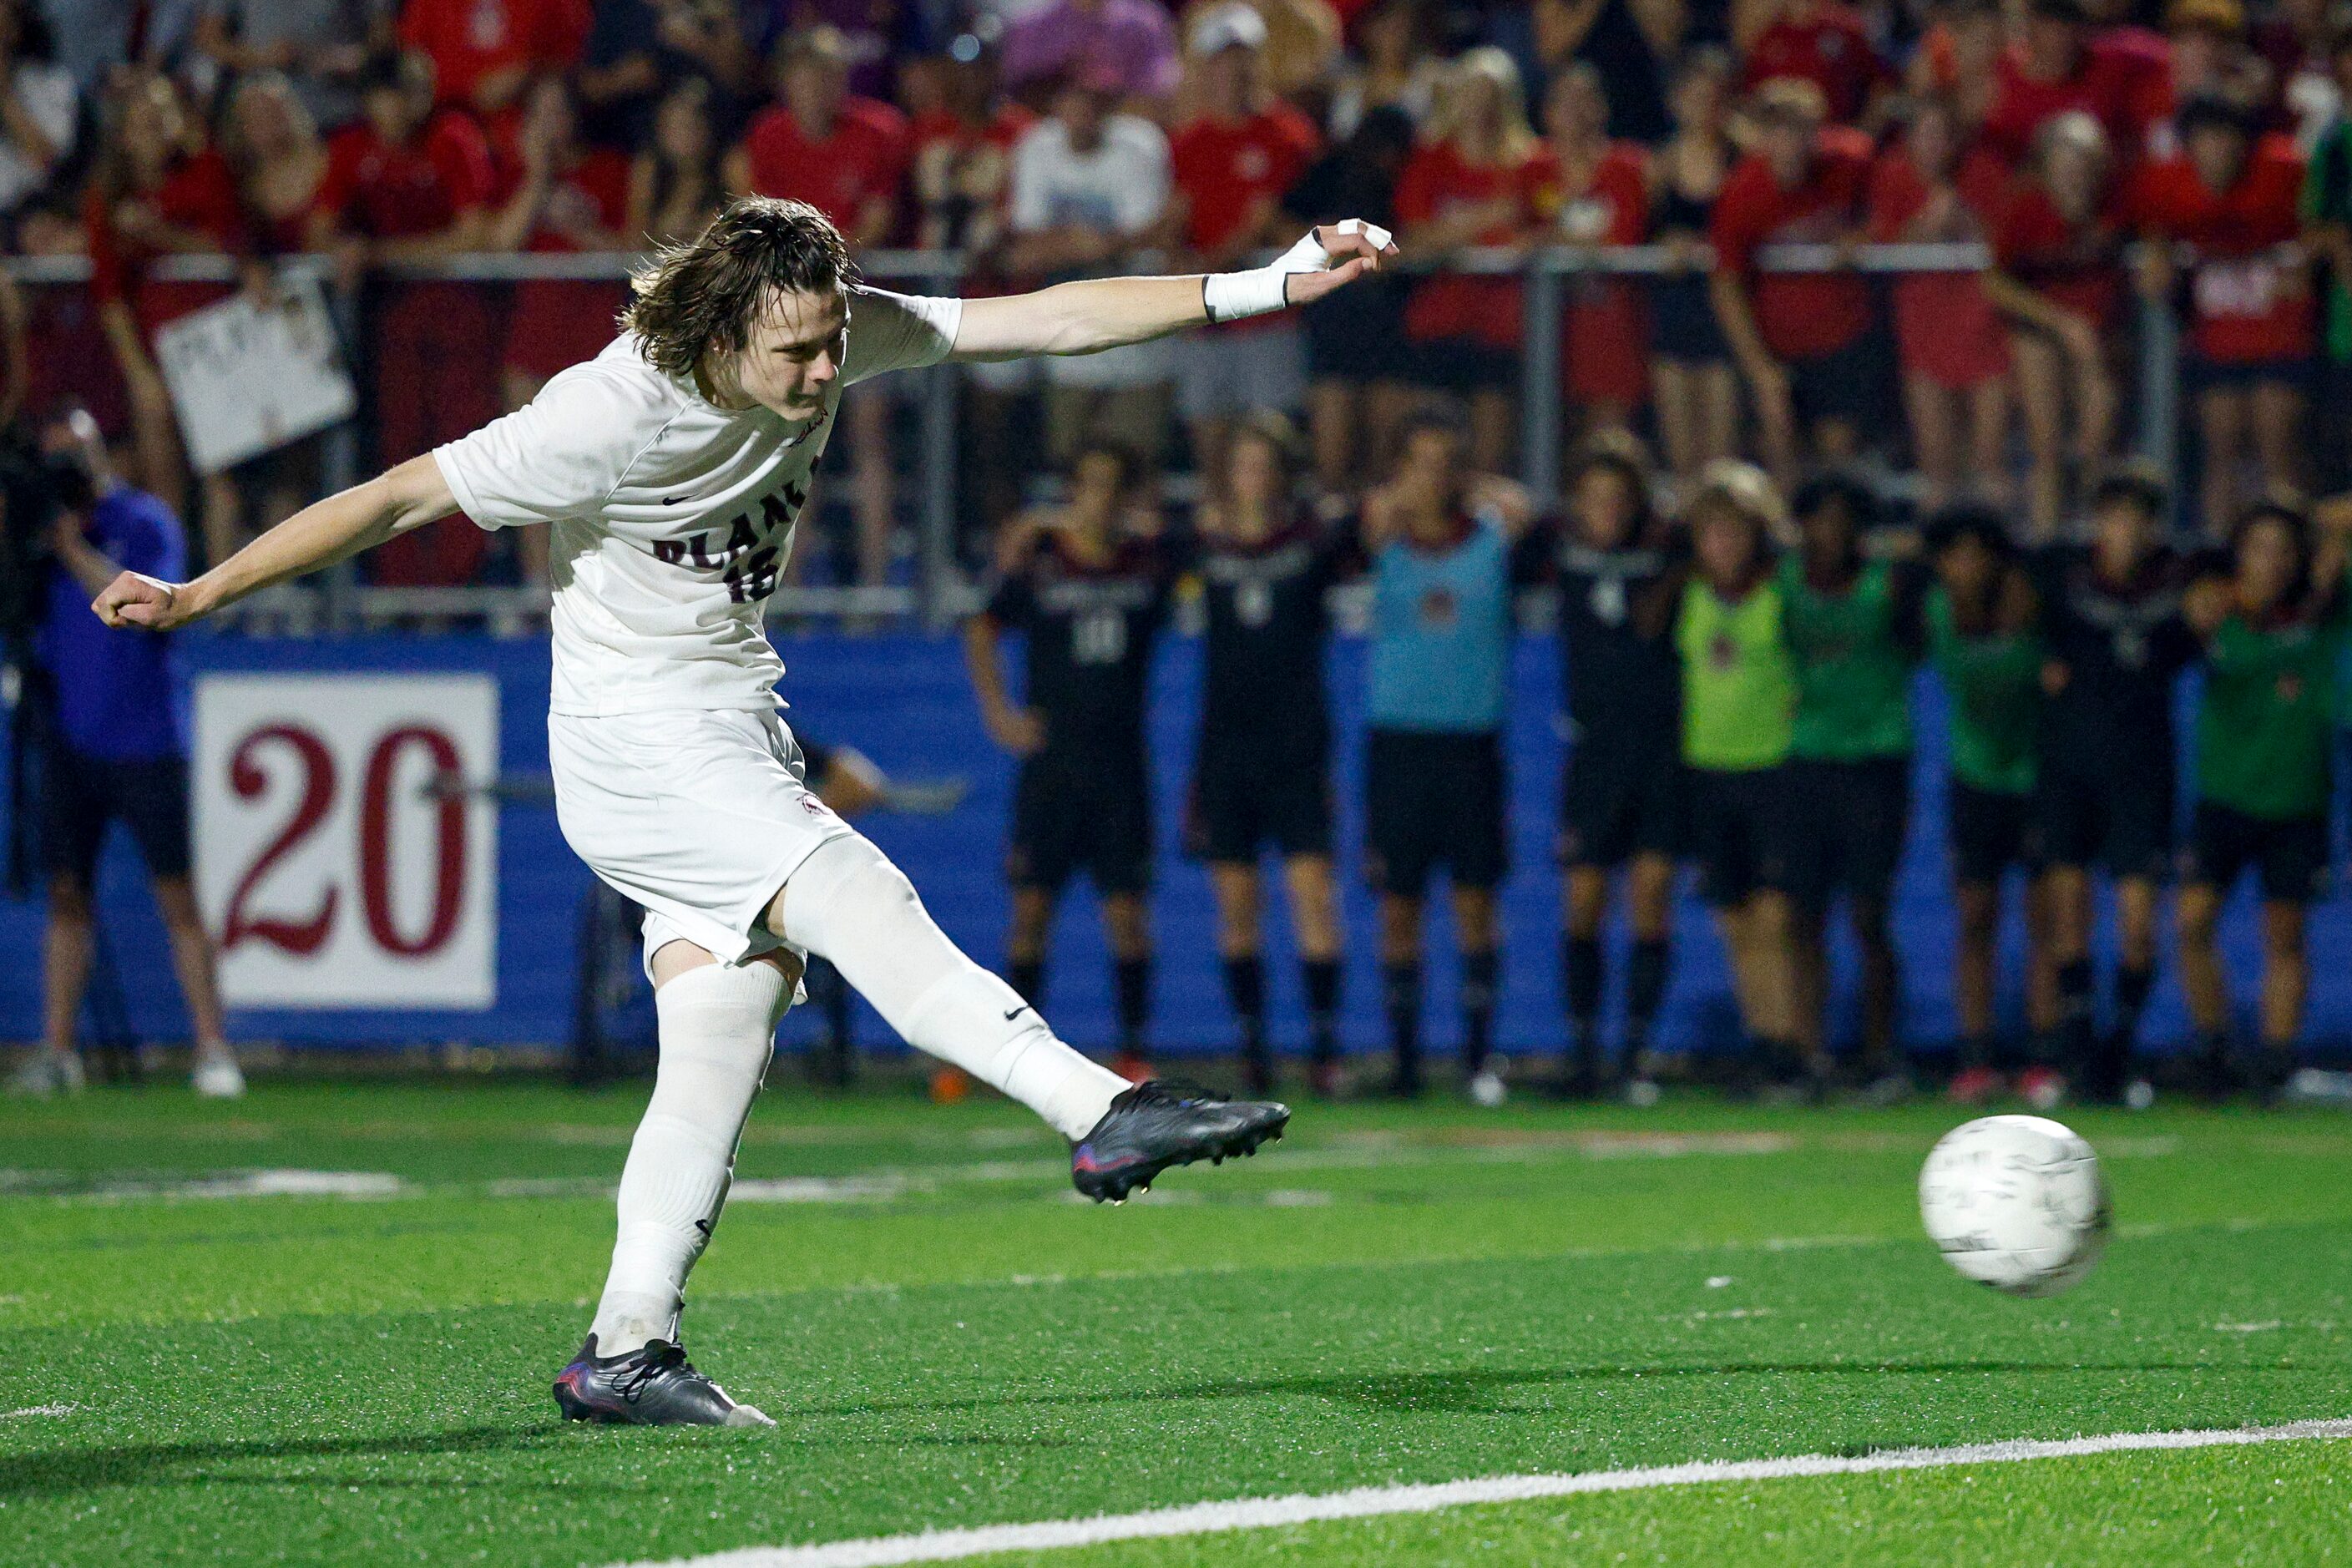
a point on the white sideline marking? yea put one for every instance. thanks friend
(39, 1410)
(1367, 1502)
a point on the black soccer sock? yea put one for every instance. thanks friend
(1246, 989)
(1322, 979)
(1400, 992)
(1645, 988)
(1581, 980)
(1131, 978)
(1027, 975)
(1477, 1008)
(2076, 1023)
(836, 1020)
(2112, 1051)
(2132, 984)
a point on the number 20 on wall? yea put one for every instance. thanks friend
(340, 858)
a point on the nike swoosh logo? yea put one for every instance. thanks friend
(673, 500)
(1016, 1012)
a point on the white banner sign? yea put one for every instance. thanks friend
(341, 861)
(244, 379)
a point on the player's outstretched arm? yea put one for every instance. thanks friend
(1099, 313)
(326, 532)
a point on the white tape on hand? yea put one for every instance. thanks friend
(1230, 296)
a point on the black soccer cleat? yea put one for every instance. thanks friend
(653, 1385)
(1157, 1124)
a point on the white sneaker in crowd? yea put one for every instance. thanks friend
(45, 1073)
(217, 1078)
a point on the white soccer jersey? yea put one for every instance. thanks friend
(673, 518)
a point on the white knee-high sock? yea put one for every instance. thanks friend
(717, 1026)
(848, 903)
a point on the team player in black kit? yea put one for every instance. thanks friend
(1091, 593)
(1262, 774)
(1621, 793)
(2115, 642)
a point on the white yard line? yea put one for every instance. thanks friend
(1367, 1502)
(39, 1410)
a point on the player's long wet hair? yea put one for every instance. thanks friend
(704, 297)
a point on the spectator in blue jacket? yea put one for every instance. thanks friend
(121, 755)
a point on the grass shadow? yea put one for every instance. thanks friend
(153, 1464)
(1475, 1390)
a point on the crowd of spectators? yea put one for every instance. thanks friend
(1049, 138)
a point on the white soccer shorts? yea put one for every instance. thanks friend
(698, 814)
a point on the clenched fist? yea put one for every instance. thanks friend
(134, 599)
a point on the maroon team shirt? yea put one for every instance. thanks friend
(863, 157)
(1799, 315)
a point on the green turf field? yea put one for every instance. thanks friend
(197, 1372)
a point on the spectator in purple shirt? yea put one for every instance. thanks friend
(1131, 42)
(120, 755)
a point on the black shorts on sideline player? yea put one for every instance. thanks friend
(2120, 819)
(1991, 833)
(1621, 796)
(1247, 797)
(81, 795)
(1846, 824)
(1082, 808)
(1431, 799)
(2289, 857)
(1739, 832)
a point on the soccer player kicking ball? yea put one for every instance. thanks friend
(672, 469)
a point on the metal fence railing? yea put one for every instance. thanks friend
(941, 590)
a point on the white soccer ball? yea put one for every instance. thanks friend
(2016, 1202)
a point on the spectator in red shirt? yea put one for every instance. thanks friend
(563, 195)
(2119, 78)
(485, 52)
(158, 190)
(1803, 341)
(1473, 182)
(2058, 277)
(1823, 42)
(1593, 192)
(1231, 165)
(846, 157)
(819, 143)
(2232, 194)
(1930, 188)
(409, 182)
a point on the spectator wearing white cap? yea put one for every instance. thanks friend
(1233, 162)
(1304, 41)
